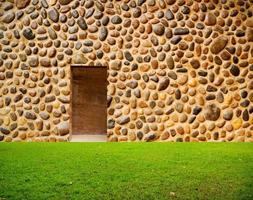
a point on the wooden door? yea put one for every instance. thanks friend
(89, 109)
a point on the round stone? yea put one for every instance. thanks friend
(28, 34)
(116, 19)
(210, 19)
(195, 63)
(158, 29)
(63, 128)
(212, 112)
(228, 114)
(234, 70)
(137, 12)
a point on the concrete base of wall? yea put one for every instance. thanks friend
(88, 138)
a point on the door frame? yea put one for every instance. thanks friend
(72, 66)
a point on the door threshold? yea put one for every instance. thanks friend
(89, 138)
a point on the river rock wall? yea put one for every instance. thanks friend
(178, 70)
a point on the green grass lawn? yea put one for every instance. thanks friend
(126, 171)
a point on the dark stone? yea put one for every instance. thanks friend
(89, 3)
(125, 7)
(13, 126)
(212, 112)
(149, 137)
(234, 70)
(53, 14)
(178, 94)
(30, 115)
(185, 10)
(110, 124)
(64, 2)
(215, 135)
(19, 14)
(181, 31)
(82, 24)
(170, 2)
(202, 73)
(210, 88)
(128, 56)
(164, 83)
(5, 131)
(244, 94)
(9, 74)
(100, 54)
(105, 20)
(103, 33)
(18, 97)
(175, 40)
(210, 97)
(28, 34)
(139, 135)
(116, 19)
(245, 103)
(245, 115)
(196, 110)
(49, 99)
(169, 15)
(89, 13)
(192, 119)
(1, 137)
(240, 33)
(179, 139)
(7, 101)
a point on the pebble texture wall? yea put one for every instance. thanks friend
(178, 70)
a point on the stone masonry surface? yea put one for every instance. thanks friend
(178, 70)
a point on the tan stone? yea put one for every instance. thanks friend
(237, 123)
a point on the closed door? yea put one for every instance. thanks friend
(89, 114)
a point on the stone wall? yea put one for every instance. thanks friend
(178, 70)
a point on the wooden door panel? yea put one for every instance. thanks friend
(89, 114)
